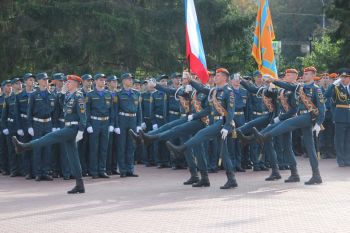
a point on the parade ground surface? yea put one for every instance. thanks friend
(158, 202)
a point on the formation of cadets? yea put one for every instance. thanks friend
(97, 126)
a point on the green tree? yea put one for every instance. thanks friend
(324, 55)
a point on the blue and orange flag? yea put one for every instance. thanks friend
(262, 49)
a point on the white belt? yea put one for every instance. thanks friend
(159, 116)
(71, 123)
(24, 115)
(127, 114)
(42, 120)
(61, 120)
(174, 113)
(303, 111)
(100, 118)
(183, 115)
(260, 113)
(10, 120)
(218, 118)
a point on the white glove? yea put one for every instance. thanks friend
(89, 129)
(20, 132)
(224, 133)
(138, 128)
(188, 88)
(190, 117)
(276, 120)
(110, 129)
(79, 136)
(155, 126)
(336, 82)
(6, 131)
(117, 130)
(143, 125)
(53, 129)
(317, 128)
(31, 131)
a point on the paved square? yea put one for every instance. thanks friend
(158, 202)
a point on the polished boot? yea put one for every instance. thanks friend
(79, 187)
(275, 175)
(204, 181)
(137, 138)
(261, 139)
(231, 181)
(194, 177)
(19, 146)
(103, 175)
(315, 179)
(148, 139)
(245, 140)
(294, 176)
(178, 151)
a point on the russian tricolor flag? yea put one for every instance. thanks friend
(194, 47)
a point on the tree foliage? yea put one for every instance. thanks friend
(112, 36)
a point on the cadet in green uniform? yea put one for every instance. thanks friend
(4, 91)
(22, 131)
(310, 117)
(339, 92)
(128, 106)
(41, 109)
(83, 144)
(10, 123)
(100, 122)
(75, 123)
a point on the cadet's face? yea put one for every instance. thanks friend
(72, 85)
(43, 83)
(235, 82)
(87, 83)
(290, 77)
(185, 80)
(176, 81)
(258, 80)
(113, 84)
(58, 84)
(308, 76)
(211, 80)
(164, 82)
(100, 83)
(220, 79)
(17, 86)
(127, 82)
(137, 86)
(30, 82)
(7, 88)
(346, 81)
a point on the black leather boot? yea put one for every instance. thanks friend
(193, 179)
(275, 175)
(315, 179)
(260, 138)
(148, 139)
(231, 181)
(19, 146)
(294, 176)
(204, 181)
(178, 151)
(245, 140)
(79, 187)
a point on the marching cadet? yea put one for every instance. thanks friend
(339, 92)
(310, 117)
(160, 108)
(60, 163)
(10, 122)
(222, 107)
(22, 131)
(128, 107)
(112, 157)
(3, 151)
(83, 145)
(100, 122)
(41, 109)
(75, 123)
(261, 110)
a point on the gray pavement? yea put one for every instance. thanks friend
(158, 202)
